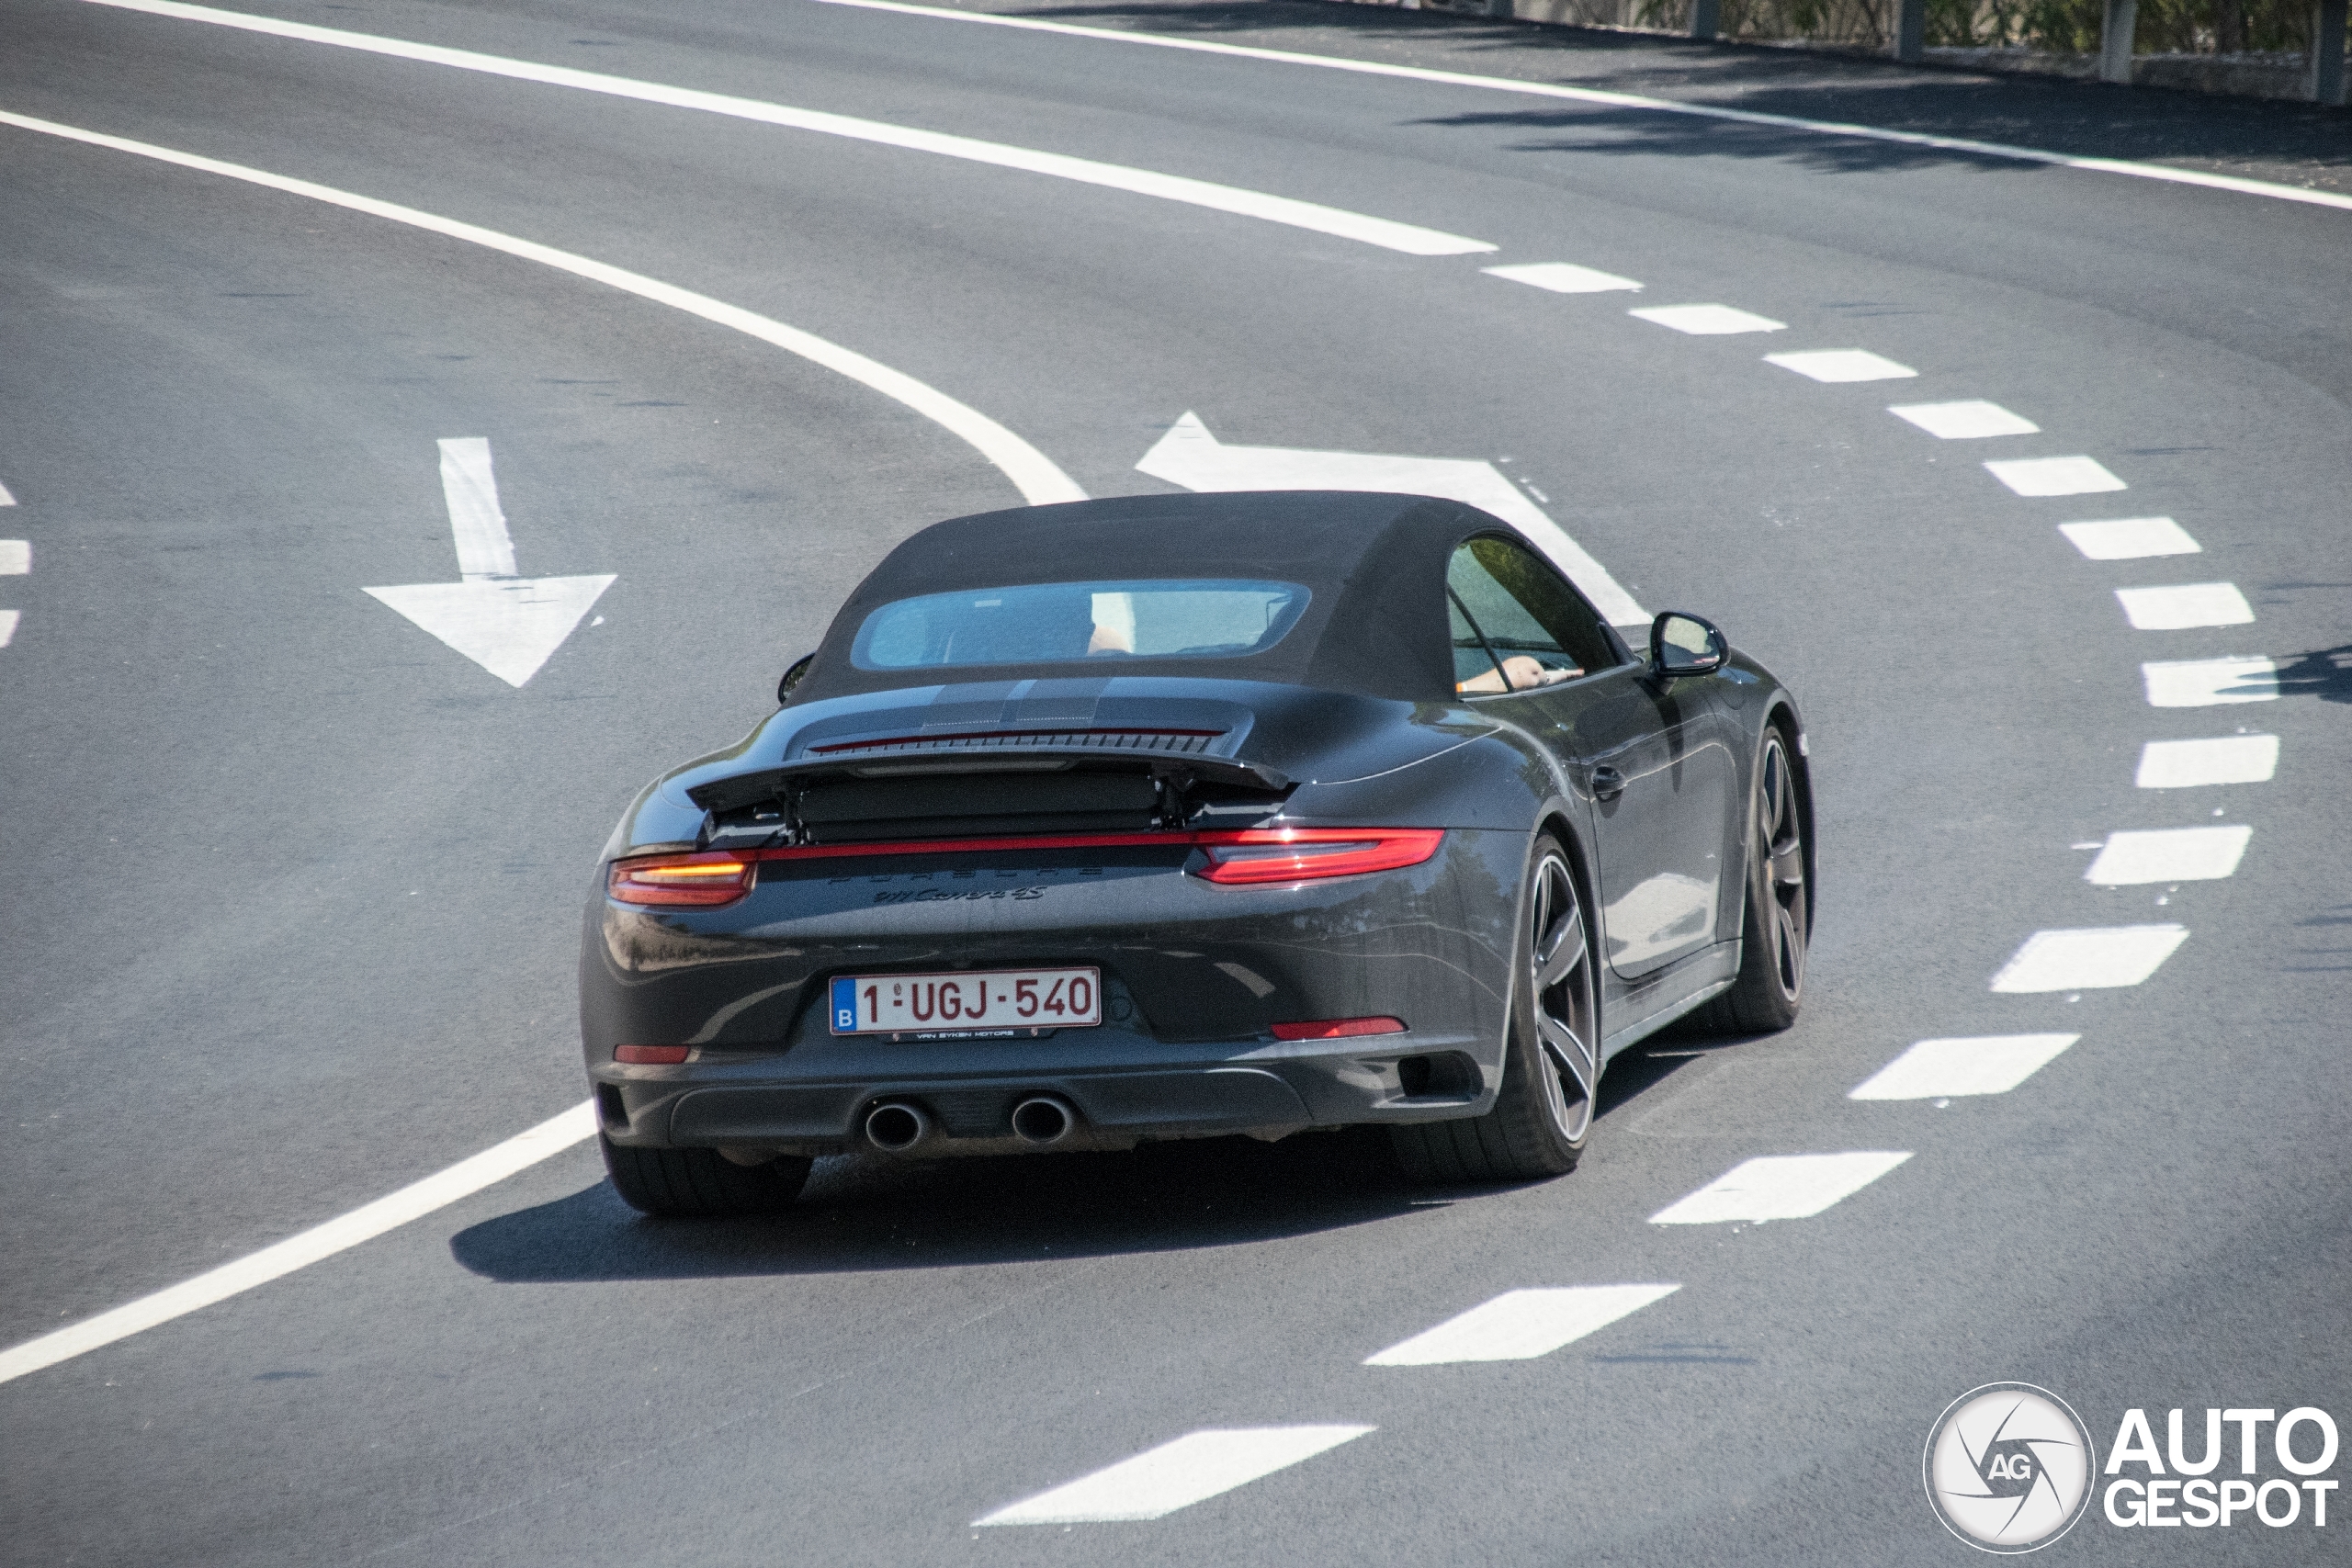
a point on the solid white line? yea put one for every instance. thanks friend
(1563, 277)
(2168, 854)
(1409, 237)
(1519, 1325)
(1629, 100)
(2210, 683)
(1835, 364)
(2096, 959)
(16, 557)
(1175, 1476)
(2054, 476)
(1030, 470)
(1708, 321)
(1780, 1186)
(418, 1199)
(1940, 1069)
(8, 619)
(2130, 538)
(2184, 606)
(1971, 421)
(485, 549)
(2228, 758)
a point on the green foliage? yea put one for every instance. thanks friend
(2062, 26)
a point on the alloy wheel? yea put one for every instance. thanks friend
(1562, 990)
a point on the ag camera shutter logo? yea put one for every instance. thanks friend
(2008, 1467)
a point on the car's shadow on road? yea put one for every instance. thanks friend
(860, 1213)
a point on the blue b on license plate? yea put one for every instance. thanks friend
(968, 1004)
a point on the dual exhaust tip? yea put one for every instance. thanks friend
(897, 1125)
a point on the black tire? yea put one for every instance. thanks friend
(1542, 1115)
(1778, 925)
(701, 1183)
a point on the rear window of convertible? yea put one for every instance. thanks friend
(1057, 622)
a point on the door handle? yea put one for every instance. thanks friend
(1608, 784)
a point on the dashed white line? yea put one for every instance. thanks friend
(1410, 238)
(1840, 364)
(1973, 420)
(5, 498)
(2210, 683)
(1942, 1069)
(2054, 476)
(1563, 277)
(416, 1200)
(1780, 1186)
(1196, 1467)
(2227, 759)
(1519, 1325)
(16, 557)
(1708, 321)
(2130, 538)
(2168, 854)
(2098, 958)
(2184, 606)
(8, 619)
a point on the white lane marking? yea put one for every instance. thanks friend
(5, 498)
(2100, 958)
(2227, 759)
(2133, 859)
(1030, 470)
(1175, 1476)
(418, 1199)
(1563, 277)
(2183, 605)
(485, 548)
(1189, 455)
(8, 619)
(1519, 1325)
(1410, 238)
(1780, 1186)
(1938, 1069)
(1842, 365)
(1623, 100)
(1708, 321)
(509, 624)
(2131, 538)
(16, 557)
(2209, 683)
(2054, 476)
(1973, 420)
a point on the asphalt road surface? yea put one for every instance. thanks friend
(289, 887)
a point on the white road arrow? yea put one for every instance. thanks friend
(507, 624)
(1189, 455)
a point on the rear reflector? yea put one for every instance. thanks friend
(1333, 1028)
(1253, 855)
(650, 1055)
(697, 881)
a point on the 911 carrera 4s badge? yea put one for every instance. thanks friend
(970, 1004)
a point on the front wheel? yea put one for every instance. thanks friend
(1778, 925)
(1552, 1064)
(701, 1183)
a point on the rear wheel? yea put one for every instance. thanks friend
(1552, 1066)
(1779, 922)
(701, 1183)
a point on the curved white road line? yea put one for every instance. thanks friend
(1619, 100)
(416, 1200)
(1409, 237)
(1031, 471)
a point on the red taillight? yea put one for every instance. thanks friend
(1336, 1028)
(650, 1055)
(702, 881)
(1250, 855)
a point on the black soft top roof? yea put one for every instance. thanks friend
(1374, 563)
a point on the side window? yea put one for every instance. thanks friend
(1513, 605)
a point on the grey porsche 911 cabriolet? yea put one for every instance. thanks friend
(1186, 816)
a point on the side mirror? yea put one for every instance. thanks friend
(1686, 645)
(793, 677)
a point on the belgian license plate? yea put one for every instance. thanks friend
(969, 1004)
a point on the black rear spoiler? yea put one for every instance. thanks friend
(720, 796)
